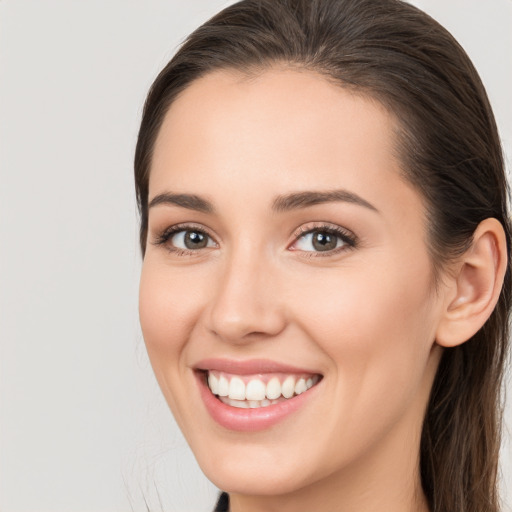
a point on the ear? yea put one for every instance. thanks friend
(474, 288)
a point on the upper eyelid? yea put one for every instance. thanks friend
(304, 229)
(176, 228)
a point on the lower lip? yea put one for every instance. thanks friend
(249, 420)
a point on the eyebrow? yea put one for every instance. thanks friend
(282, 203)
(189, 201)
(305, 199)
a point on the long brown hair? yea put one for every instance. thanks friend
(449, 149)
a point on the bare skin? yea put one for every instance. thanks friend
(363, 314)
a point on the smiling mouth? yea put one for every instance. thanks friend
(256, 391)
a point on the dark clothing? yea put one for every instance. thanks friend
(222, 503)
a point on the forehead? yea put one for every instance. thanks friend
(280, 130)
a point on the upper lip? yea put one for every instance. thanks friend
(249, 366)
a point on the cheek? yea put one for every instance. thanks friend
(377, 329)
(167, 309)
(364, 304)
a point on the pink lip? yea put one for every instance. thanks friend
(249, 367)
(248, 420)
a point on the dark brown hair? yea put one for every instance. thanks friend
(449, 149)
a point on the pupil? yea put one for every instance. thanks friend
(324, 241)
(195, 240)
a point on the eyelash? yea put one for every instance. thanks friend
(164, 237)
(349, 240)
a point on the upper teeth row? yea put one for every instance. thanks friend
(255, 389)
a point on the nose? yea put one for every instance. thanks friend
(246, 303)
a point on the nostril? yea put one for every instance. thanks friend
(240, 330)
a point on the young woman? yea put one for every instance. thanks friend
(325, 289)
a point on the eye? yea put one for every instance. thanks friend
(325, 239)
(191, 240)
(185, 240)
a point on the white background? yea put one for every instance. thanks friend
(82, 424)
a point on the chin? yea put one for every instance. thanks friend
(253, 480)
(242, 468)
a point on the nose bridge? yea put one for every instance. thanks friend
(246, 301)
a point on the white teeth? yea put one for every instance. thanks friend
(237, 389)
(213, 382)
(255, 390)
(223, 389)
(241, 404)
(300, 387)
(247, 404)
(255, 393)
(288, 387)
(273, 388)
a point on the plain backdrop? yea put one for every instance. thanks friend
(82, 424)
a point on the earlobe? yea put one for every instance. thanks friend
(475, 286)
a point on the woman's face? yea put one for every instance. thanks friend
(286, 256)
